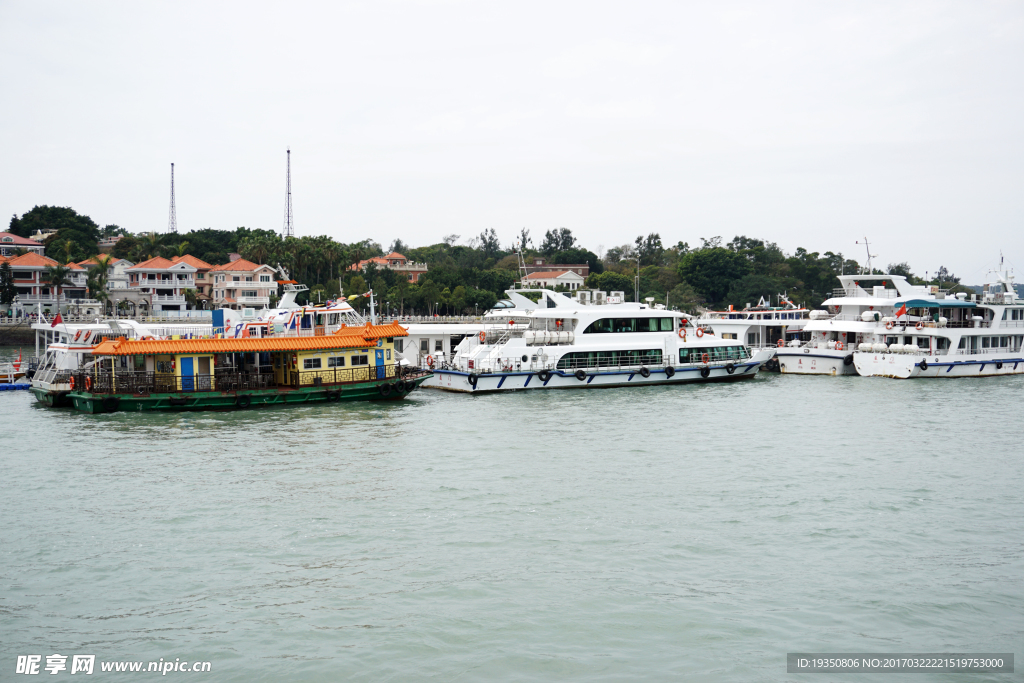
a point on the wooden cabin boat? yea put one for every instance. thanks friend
(353, 363)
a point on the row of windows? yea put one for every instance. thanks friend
(609, 359)
(334, 362)
(715, 354)
(631, 325)
(1013, 314)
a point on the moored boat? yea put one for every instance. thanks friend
(353, 363)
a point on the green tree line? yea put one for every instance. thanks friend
(472, 274)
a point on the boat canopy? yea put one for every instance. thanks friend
(345, 338)
(937, 303)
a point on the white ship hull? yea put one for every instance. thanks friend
(453, 380)
(809, 361)
(900, 366)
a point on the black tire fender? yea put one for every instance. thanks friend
(472, 380)
(670, 371)
(730, 368)
(924, 365)
(384, 390)
(111, 404)
(243, 401)
(705, 372)
(543, 375)
(581, 375)
(645, 372)
(848, 360)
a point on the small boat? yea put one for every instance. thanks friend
(11, 372)
(353, 363)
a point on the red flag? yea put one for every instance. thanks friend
(57, 321)
(902, 311)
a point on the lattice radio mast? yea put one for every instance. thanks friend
(289, 228)
(172, 218)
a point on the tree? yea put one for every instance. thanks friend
(8, 291)
(557, 240)
(489, 243)
(579, 256)
(609, 281)
(649, 249)
(191, 298)
(750, 288)
(683, 297)
(524, 240)
(900, 269)
(57, 277)
(711, 271)
(458, 299)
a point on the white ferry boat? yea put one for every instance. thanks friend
(761, 326)
(938, 336)
(559, 342)
(852, 316)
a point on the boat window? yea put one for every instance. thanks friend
(630, 325)
(624, 325)
(715, 354)
(399, 345)
(360, 360)
(336, 362)
(667, 324)
(985, 342)
(606, 359)
(311, 364)
(1004, 342)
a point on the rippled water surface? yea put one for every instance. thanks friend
(593, 535)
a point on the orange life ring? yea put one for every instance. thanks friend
(72, 383)
(682, 333)
(920, 325)
(88, 383)
(700, 332)
(780, 343)
(839, 346)
(87, 335)
(430, 360)
(78, 334)
(888, 325)
(705, 358)
(482, 336)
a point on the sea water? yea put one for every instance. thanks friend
(656, 533)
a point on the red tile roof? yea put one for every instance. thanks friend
(192, 261)
(31, 259)
(345, 338)
(155, 262)
(240, 264)
(16, 239)
(547, 274)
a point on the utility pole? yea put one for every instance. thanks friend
(172, 219)
(289, 228)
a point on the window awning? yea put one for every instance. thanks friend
(936, 303)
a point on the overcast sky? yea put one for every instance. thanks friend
(806, 123)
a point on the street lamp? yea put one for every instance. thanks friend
(636, 286)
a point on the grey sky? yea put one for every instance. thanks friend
(807, 123)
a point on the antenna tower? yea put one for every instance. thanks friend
(866, 268)
(289, 228)
(172, 218)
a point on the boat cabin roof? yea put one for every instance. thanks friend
(345, 338)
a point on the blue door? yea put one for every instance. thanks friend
(380, 363)
(188, 380)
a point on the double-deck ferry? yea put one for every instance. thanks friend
(559, 342)
(760, 326)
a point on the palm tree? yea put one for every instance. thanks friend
(190, 298)
(58, 277)
(69, 246)
(98, 278)
(150, 246)
(182, 248)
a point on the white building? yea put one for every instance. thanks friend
(552, 278)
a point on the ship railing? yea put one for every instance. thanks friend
(164, 383)
(330, 377)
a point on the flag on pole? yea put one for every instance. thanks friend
(902, 311)
(57, 321)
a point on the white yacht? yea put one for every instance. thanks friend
(760, 326)
(852, 315)
(934, 335)
(559, 342)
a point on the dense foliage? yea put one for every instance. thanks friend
(474, 275)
